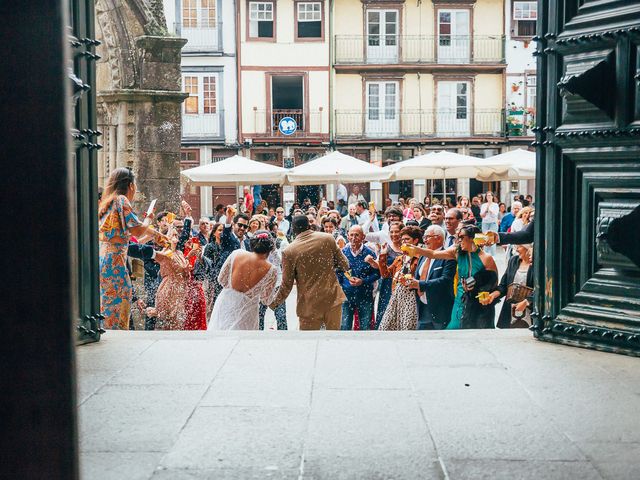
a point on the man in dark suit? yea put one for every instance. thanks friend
(433, 283)
(234, 235)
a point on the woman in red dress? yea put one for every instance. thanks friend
(195, 300)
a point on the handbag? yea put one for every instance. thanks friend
(516, 292)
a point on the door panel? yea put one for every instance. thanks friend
(454, 40)
(588, 174)
(382, 36)
(382, 117)
(452, 119)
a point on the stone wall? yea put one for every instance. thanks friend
(139, 97)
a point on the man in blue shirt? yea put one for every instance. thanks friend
(507, 220)
(357, 284)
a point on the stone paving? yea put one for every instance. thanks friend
(355, 405)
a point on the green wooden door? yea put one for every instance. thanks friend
(588, 139)
(85, 141)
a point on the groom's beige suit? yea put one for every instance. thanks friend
(311, 261)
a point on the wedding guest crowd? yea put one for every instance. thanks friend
(416, 265)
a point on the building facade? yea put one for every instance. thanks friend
(283, 87)
(413, 77)
(520, 25)
(209, 77)
(382, 80)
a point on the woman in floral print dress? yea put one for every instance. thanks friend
(117, 222)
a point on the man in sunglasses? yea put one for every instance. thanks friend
(283, 223)
(234, 234)
(436, 215)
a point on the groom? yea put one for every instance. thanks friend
(311, 261)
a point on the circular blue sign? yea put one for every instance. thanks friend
(287, 126)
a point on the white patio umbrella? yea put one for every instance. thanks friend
(336, 167)
(514, 165)
(236, 171)
(436, 165)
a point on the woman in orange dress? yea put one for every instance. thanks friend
(117, 222)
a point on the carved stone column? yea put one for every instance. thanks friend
(139, 98)
(147, 121)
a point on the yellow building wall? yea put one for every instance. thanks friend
(488, 117)
(348, 19)
(488, 91)
(347, 92)
(418, 19)
(488, 17)
(417, 92)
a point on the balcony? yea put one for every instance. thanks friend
(419, 50)
(520, 123)
(265, 124)
(205, 38)
(418, 124)
(203, 126)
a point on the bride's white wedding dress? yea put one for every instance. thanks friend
(234, 310)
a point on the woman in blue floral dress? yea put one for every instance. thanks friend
(117, 222)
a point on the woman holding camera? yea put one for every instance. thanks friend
(478, 275)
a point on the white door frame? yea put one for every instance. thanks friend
(382, 117)
(458, 49)
(388, 43)
(452, 117)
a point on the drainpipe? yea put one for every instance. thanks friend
(331, 73)
(238, 77)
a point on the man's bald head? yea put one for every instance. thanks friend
(356, 236)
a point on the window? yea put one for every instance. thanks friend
(209, 94)
(374, 101)
(525, 10)
(208, 13)
(189, 13)
(390, 101)
(524, 16)
(309, 19)
(199, 13)
(261, 19)
(445, 29)
(531, 91)
(461, 101)
(202, 94)
(191, 102)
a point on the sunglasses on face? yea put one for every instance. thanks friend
(242, 225)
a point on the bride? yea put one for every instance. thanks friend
(247, 279)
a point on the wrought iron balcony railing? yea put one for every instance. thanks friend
(202, 36)
(265, 124)
(203, 125)
(416, 124)
(419, 49)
